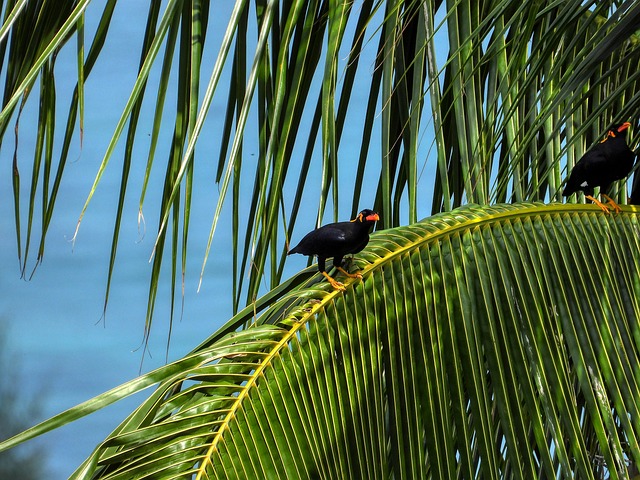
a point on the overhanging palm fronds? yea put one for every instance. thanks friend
(489, 342)
(521, 85)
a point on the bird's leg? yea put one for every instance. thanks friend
(602, 206)
(337, 262)
(614, 205)
(350, 275)
(334, 283)
(321, 264)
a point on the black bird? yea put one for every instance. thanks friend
(606, 162)
(337, 240)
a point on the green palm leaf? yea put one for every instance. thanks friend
(489, 342)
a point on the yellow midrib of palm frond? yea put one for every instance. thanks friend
(470, 218)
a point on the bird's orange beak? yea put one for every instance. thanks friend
(624, 126)
(374, 217)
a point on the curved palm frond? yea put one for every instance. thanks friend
(488, 342)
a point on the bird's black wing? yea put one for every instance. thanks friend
(590, 171)
(335, 239)
(331, 240)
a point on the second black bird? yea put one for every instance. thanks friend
(606, 162)
(337, 240)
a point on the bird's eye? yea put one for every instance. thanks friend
(609, 134)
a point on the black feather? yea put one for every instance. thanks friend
(606, 162)
(337, 239)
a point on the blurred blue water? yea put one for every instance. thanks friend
(67, 351)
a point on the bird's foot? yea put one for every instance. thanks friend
(334, 283)
(350, 275)
(602, 206)
(616, 208)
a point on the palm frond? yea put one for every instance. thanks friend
(489, 342)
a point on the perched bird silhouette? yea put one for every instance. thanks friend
(337, 240)
(606, 162)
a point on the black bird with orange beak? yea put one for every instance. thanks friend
(337, 240)
(608, 161)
